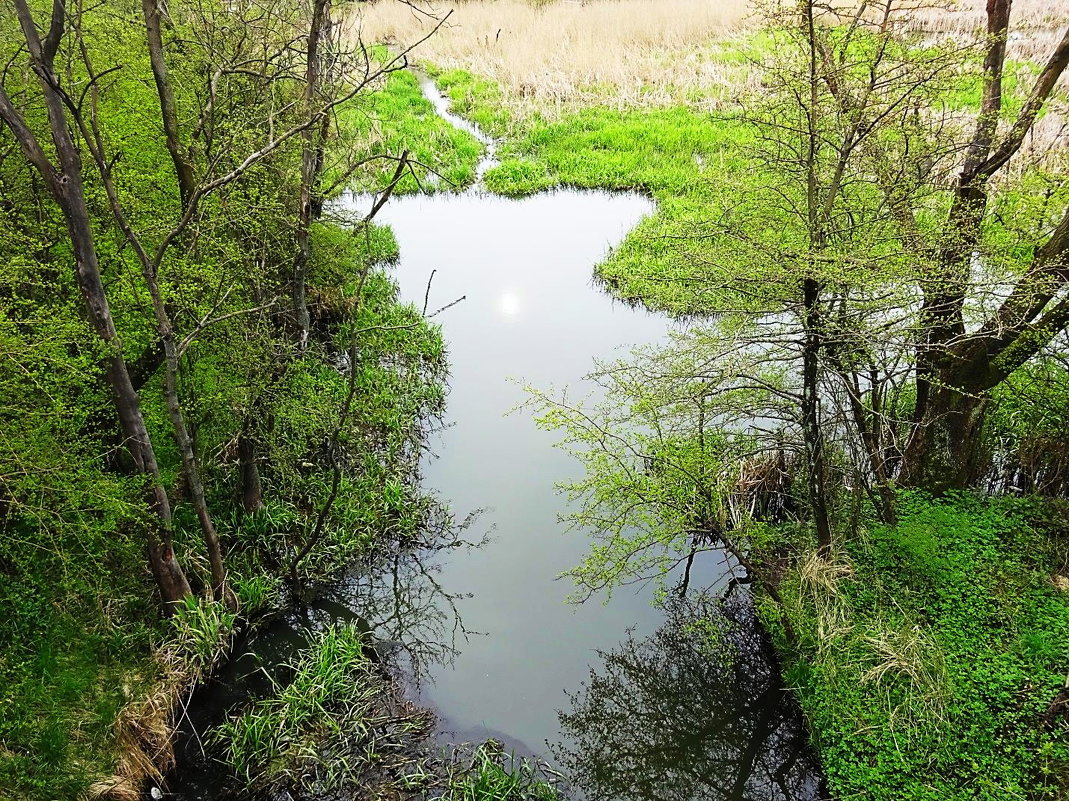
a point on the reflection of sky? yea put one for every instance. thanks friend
(509, 303)
(531, 315)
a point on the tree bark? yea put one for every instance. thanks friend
(311, 166)
(816, 468)
(183, 168)
(945, 452)
(252, 498)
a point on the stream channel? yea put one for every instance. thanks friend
(626, 699)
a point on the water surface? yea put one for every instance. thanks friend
(540, 674)
(634, 701)
(531, 314)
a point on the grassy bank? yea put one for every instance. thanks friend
(82, 644)
(683, 157)
(336, 723)
(931, 655)
(82, 638)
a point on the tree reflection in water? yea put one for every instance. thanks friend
(695, 712)
(396, 597)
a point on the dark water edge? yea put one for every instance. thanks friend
(695, 711)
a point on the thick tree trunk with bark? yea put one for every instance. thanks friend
(946, 449)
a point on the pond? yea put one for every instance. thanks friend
(497, 650)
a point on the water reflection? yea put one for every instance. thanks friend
(395, 598)
(695, 712)
(509, 303)
(398, 598)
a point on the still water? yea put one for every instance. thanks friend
(536, 666)
(530, 315)
(633, 701)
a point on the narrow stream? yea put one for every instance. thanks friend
(498, 651)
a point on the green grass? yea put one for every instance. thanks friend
(930, 652)
(477, 99)
(332, 693)
(493, 777)
(398, 117)
(66, 673)
(681, 157)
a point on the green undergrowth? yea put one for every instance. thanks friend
(491, 776)
(72, 657)
(335, 723)
(81, 632)
(929, 654)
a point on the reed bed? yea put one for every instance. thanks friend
(627, 53)
(1037, 25)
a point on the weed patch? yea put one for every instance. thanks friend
(949, 646)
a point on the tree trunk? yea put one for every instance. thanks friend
(946, 450)
(252, 498)
(183, 169)
(816, 469)
(311, 166)
(190, 463)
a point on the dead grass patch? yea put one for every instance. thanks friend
(145, 728)
(626, 53)
(1036, 25)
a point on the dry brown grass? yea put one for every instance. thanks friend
(558, 55)
(144, 734)
(624, 52)
(145, 728)
(1037, 25)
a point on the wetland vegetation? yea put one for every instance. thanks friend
(834, 464)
